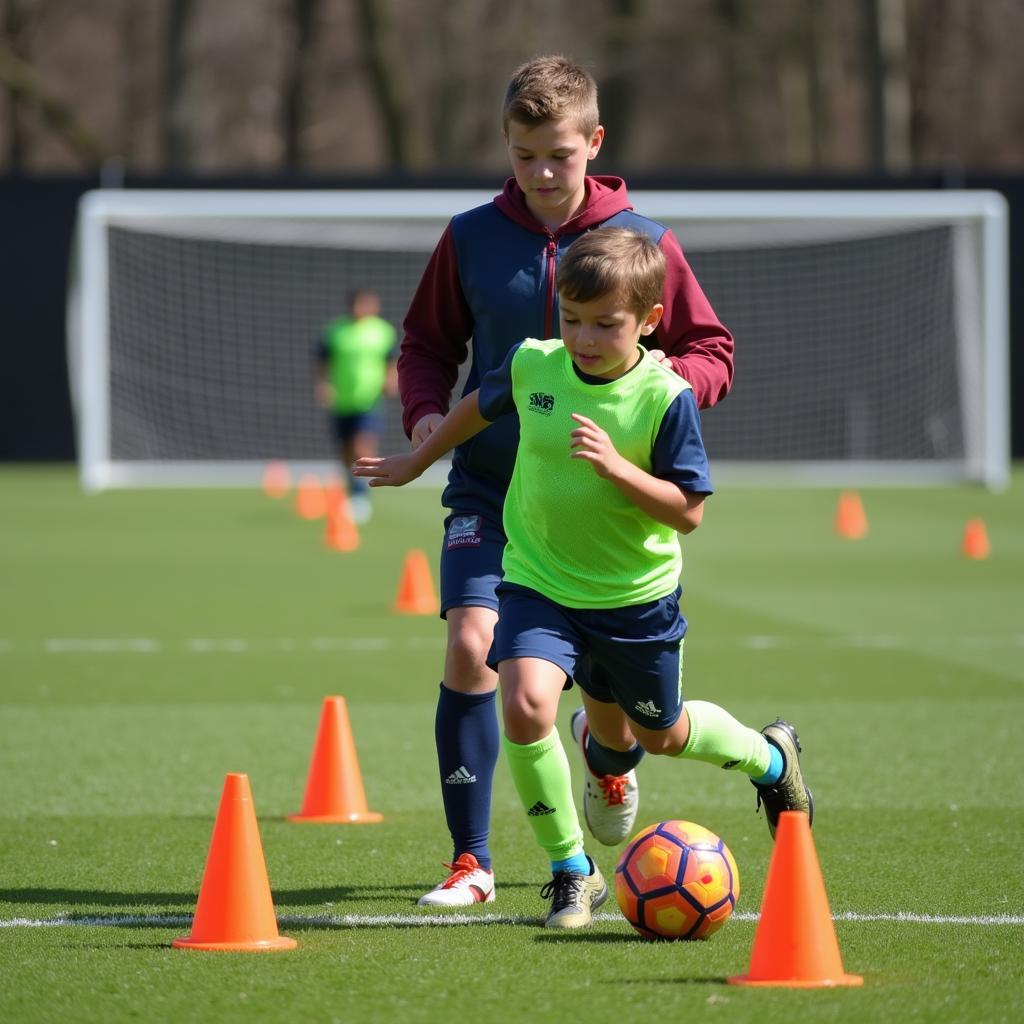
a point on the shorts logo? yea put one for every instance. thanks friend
(648, 708)
(465, 532)
(539, 402)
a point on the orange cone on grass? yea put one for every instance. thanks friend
(277, 480)
(235, 910)
(851, 522)
(416, 594)
(334, 787)
(310, 502)
(975, 542)
(795, 944)
(341, 533)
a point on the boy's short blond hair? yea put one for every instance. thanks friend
(551, 88)
(613, 261)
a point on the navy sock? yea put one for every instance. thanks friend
(605, 761)
(468, 740)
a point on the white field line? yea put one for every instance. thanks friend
(329, 644)
(438, 920)
(227, 645)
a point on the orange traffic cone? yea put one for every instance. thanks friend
(416, 595)
(341, 533)
(795, 944)
(277, 480)
(975, 544)
(334, 788)
(310, 502)
(850, 519)
(235, 910)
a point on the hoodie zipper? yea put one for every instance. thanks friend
(549, 308)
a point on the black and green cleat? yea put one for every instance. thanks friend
(790, 792)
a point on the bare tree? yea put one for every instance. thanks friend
(624, 26)
(734, 19)
(175, 135)
(130, 74)
(30, 92)
(302, 15)
(14, 18)
(387, 78)
(885, 24)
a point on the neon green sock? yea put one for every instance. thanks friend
(540, 772)
(719, 739)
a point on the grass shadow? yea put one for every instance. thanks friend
(97, 897)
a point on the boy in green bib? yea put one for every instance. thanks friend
(610, 469)
(355, 364)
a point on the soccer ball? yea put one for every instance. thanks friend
(676, 880)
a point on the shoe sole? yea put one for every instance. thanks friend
(424, 902)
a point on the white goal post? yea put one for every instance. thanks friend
(871, 327)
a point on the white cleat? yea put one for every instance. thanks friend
(467, 884)
(610, 802)
(360, 509)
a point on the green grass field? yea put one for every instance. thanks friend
(151, 642)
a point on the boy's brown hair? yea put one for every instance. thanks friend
(551, 88)
(613, 261)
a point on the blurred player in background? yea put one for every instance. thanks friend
(355, 364)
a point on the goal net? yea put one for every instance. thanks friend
(871, 328)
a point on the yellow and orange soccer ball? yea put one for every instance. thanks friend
(676, 880)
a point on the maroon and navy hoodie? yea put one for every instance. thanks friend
(491, 279)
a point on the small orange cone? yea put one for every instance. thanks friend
(416, 595)
(277, 480)
(795, 944)
(235, 910)
(334, 788)
(975, 544)
(851, 522)
(341, 533)
(310, 502)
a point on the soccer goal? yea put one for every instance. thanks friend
(871, 328)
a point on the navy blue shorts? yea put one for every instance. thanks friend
(629, 656)
(471, 561)
(346, 427)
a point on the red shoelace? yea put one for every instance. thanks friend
(614, 787)
(465, 865)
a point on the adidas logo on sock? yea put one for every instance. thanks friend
(460, 777)
(647, 707)
(539, 809)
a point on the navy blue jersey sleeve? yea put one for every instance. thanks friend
(321, 351)
(679, 453)
(496, 389)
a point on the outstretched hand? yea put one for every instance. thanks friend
(387, 471)
(588, 441)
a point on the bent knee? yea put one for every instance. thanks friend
(669, 742)
(469, 642)
(657, 743)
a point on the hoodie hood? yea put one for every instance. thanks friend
(604, 197)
